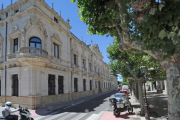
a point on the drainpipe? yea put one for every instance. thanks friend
(5, 59)
(71, 61)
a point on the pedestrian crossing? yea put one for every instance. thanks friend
(71, 116)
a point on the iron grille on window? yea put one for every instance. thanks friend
(75, 85)
(90, 84)
(15, 45)
(84, 84)
(15, 85)
(60, 85)
(51, 85)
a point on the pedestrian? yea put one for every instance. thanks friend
(6, 112)
(130, 90)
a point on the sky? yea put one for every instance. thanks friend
(69, 10)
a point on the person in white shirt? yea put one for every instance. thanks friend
(6, 112)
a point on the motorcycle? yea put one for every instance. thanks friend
(24, 114)
(120, 106)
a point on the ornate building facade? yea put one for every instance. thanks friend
(42, 62)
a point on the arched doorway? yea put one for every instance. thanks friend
(35, 42)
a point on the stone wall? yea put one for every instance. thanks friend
(36, 102)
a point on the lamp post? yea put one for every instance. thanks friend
(143, 70)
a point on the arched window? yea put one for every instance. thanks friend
(35, 42)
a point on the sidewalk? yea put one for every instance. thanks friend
(158, 105)
(51, 108)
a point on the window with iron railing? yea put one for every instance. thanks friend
(84, 84)
(51, 85)
(60, 84)
(75, 85)
(15, 85)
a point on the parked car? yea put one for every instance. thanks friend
(124, 91)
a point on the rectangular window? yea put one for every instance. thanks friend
(60, 84)
(56, 20)
(56, 50)
(51, 85)
(15, 45)
(15, 85)
(90, 84)
(75, 59)
(75, 85)
(84, 84)
(6, 15)
(84, 63)
(0, 19)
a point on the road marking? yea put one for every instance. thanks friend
(95, 116)
(67, 116)
(58, 115)
(91, 117)
(79, 116)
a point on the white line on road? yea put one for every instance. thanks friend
(79, 116)
(67, 116)
(91, 117)
(55, 116)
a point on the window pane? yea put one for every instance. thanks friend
(38, 45)
(32, 44)
(35, 40)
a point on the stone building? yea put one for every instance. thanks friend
(42, 62)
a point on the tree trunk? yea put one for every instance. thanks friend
(173, 84)
(141, 98)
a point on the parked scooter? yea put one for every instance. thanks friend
(24, 114)
(120, 106)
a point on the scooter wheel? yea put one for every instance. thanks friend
(116, 112)
(130, 109)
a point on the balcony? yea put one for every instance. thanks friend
(32, 55)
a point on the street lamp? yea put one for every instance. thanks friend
(143, 70)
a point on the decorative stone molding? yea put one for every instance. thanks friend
(56, 38)
(15, 29)
(33, 20)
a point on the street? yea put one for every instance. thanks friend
(94, 109)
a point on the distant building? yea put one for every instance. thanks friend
(45, 62)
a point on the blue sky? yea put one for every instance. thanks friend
(69, 10)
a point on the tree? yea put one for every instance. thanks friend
(156, 33)
(127, 63)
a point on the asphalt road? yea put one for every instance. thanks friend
(89, 110)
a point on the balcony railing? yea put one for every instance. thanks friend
(32, 51)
